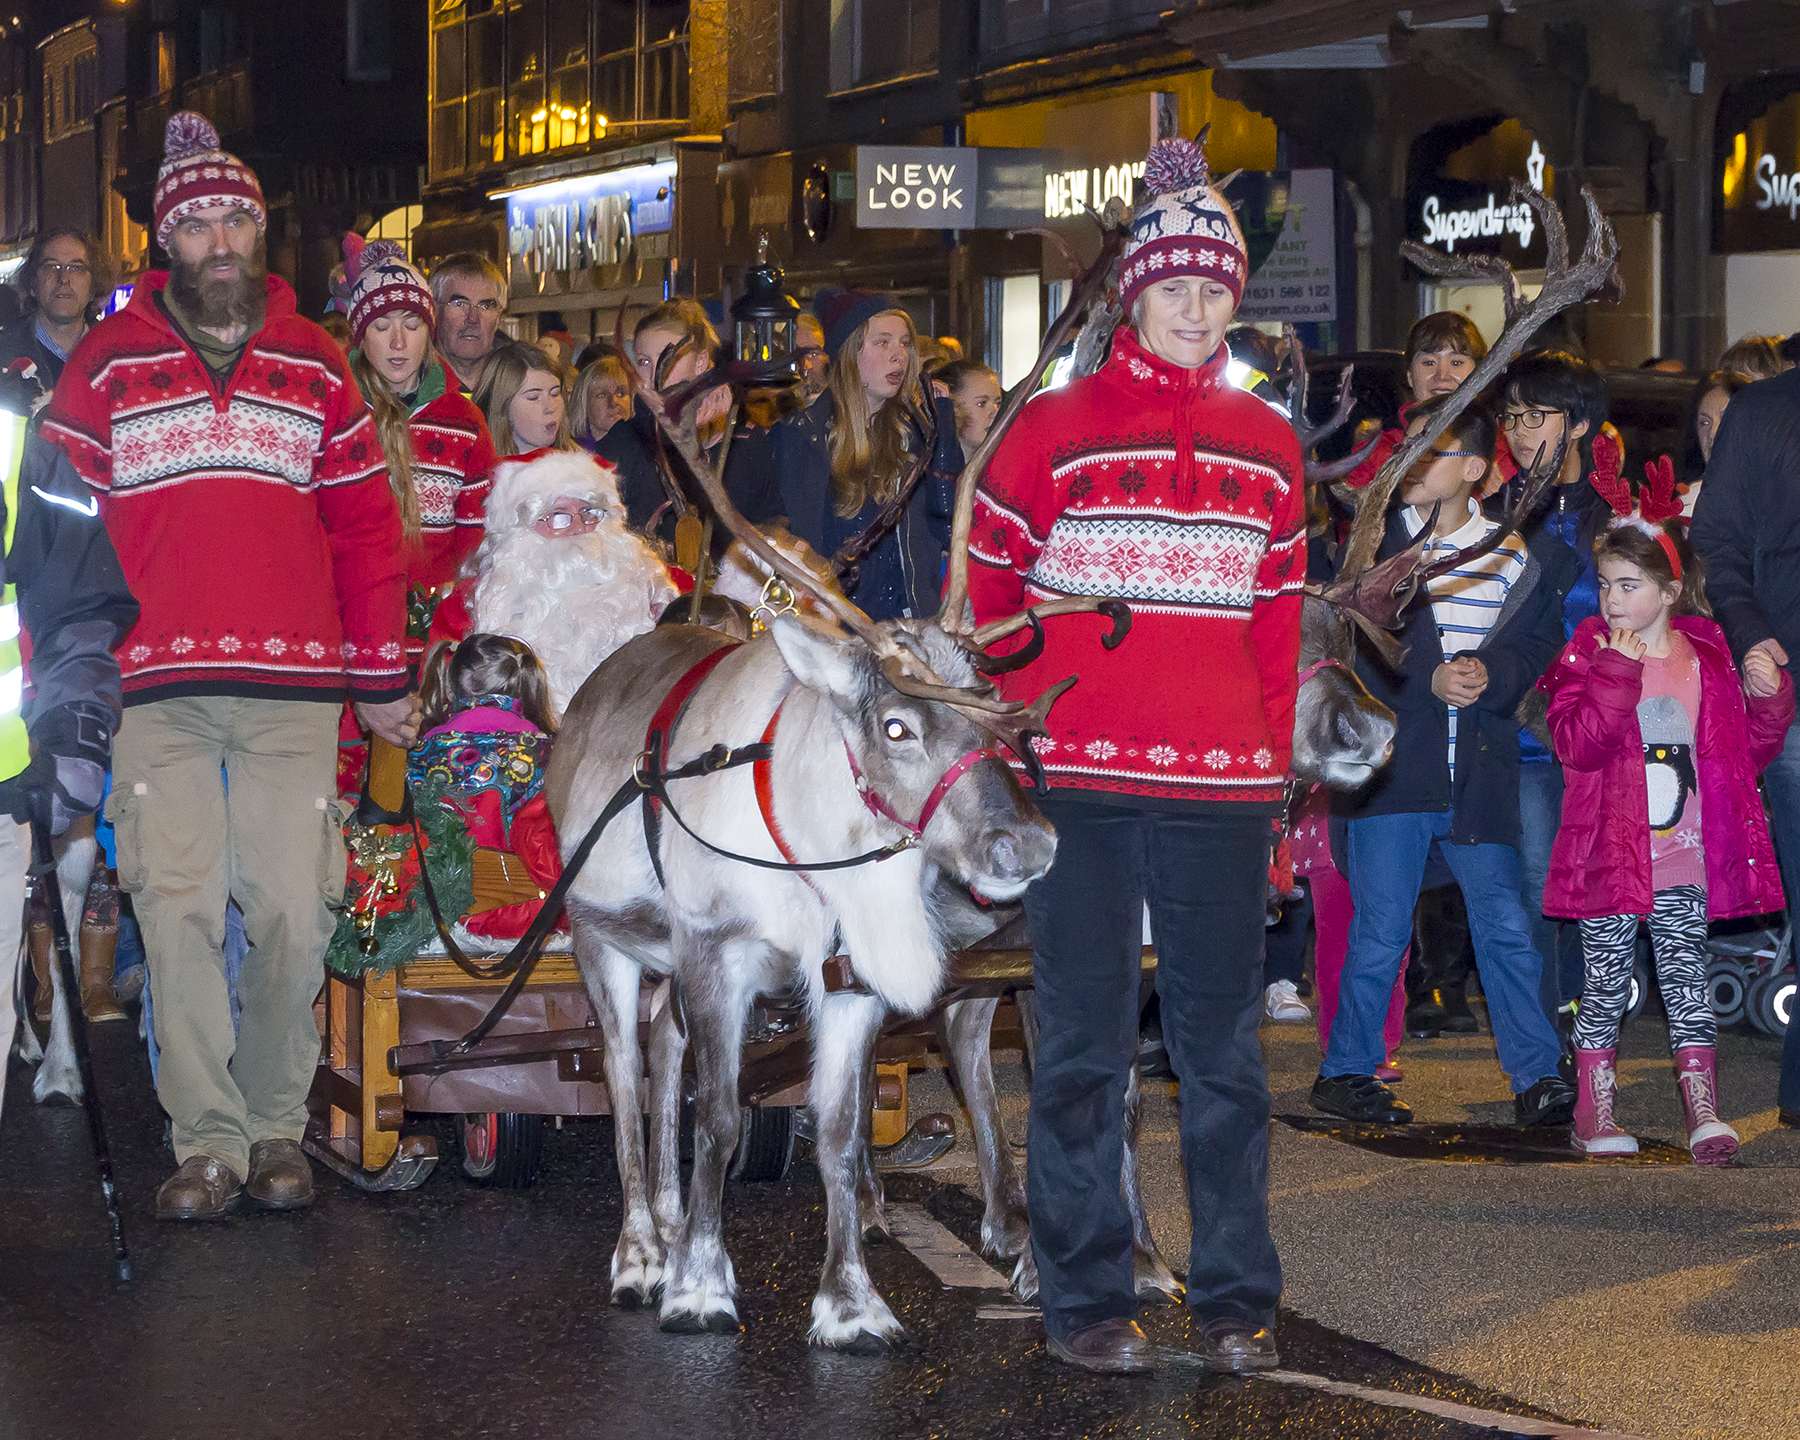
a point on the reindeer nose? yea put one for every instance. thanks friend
(1003, 856)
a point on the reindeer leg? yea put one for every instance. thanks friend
(871, 1198)
(60, 1075)
(700, 1293)
(613, 980)
(965, 1028)
(1156, 1283)
(848, 1313)
(667, 1048)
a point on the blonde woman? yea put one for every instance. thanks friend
(439, 454)
(844, 457)
(522, 395)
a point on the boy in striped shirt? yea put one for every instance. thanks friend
(1491, 627)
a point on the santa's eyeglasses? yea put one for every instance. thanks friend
(569, 517)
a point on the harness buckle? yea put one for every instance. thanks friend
(637, 768)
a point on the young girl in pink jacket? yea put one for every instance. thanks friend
(1661, 743)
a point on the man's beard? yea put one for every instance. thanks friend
(573, 600)
(221, 304)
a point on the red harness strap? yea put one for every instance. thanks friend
(763, 773)
(668, 714)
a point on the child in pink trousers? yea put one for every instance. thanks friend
(1661, 742)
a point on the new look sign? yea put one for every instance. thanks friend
(915, 187)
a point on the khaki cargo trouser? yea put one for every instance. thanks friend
(212, 797)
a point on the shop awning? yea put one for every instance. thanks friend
(1316, 34)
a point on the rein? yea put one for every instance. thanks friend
(1318, 665)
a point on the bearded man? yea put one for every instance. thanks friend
(559, 569)
(235, 465)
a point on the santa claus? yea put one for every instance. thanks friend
(559, 569)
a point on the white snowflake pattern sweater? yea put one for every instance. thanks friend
(1182, 495)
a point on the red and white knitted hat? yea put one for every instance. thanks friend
(1184, 228)
(380, 280)
(197, 175)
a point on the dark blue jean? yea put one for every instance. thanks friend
(1558, 943)
(1782, 782)
(1387, 856)
(1203, 874)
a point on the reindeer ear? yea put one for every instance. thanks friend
(834, 665)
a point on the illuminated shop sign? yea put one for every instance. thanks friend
(1465, 206)
(1068, 193)
(589, 220)
(1759, 182)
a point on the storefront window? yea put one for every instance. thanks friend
(487, 50)
(665, 60)
(876, 40)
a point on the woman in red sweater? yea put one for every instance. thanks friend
(439, 455)
(1157, 481)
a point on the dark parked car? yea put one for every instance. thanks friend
(1652, 409)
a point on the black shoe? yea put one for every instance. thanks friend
(1459, 1019)
(1549, 1102)
(1787, 1117)
(1362, 1098)
(1234, 1346)
(1425, 1018)
(1119, 1347)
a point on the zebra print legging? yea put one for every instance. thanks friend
(1678, 937)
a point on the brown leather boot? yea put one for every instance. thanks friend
(280, 1175)
(98, 950)
(202, 1189)
(43, 954)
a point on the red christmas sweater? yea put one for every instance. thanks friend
(255, 525)
(1182, 495)
(453, 465)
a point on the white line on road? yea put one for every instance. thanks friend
(940, 1252)
(1446, 1409)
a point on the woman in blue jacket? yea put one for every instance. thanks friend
(844, 457)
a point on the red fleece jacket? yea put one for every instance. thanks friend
(254, 523)
(1177, 492)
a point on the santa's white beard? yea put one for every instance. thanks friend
(573, 600)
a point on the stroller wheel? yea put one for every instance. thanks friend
(1725, 987)
(1756, 1001)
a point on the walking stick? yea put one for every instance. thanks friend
(44, 866)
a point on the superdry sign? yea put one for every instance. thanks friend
(915, 187)
(1759, 182)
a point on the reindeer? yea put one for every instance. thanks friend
(862, 730)
(58, 1074)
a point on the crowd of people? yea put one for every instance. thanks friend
(408, 526)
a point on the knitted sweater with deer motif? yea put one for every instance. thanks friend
(253, 519)
(1182, 495)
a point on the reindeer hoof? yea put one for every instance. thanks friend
(718, 1322)
(876, 1347)
(630, 1299)
(1025, 1277)
(1156, 1295)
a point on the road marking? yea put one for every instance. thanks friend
(961, 1268)
(940, 1252)
(1445, 1409)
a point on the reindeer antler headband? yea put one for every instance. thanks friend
(1654, 503)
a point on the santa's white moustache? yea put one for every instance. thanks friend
(574, 600)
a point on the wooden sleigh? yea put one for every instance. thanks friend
(544, 1059)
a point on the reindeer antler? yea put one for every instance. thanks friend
(953, 617)
(1321, 472)
(1657, 501)
(1564, 285)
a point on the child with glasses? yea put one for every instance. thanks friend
(1475, 644)
(1552, 397)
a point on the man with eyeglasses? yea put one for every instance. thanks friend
(58, 282)
(470, 294)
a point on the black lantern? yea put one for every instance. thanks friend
(766, 320)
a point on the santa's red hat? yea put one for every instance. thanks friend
(525, 486)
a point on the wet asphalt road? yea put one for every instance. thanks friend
(455, 1311)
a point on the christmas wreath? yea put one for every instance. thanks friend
(384, 920)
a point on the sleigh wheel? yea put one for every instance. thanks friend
(765, 1145)
(505, 1150)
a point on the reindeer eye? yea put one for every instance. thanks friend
(897, 731)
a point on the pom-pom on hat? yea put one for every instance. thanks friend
(197, 175)
(839, 313)
(379, 280)
(1185, 227)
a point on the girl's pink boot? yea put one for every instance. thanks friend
(1710, 1140)
(1595, 1081)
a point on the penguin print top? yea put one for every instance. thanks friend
(1668, 711)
